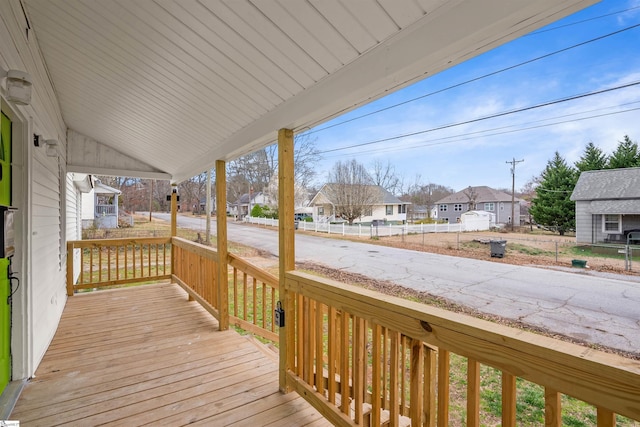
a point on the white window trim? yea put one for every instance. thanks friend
(604, 230)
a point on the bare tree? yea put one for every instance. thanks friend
(472, 195)
(351, 191)
(385, 176)
(427, 195)
(254, 171)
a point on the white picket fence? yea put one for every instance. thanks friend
(345, 229)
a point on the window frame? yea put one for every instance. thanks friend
(618, 229)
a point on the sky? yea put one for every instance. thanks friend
(600, 52)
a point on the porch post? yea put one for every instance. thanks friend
(221, 239)
(174, 209)
(286, 251)
(174, 221)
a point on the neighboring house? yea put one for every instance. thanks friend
(100, 206)
(480, 198)
(422, 212)
(242, 207)
(607, 205)
(386, 207)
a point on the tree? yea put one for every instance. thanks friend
(626, 155)
(472, 196)
(420, 194)
(350, 188)
(254, 171)
(552, 205)
(592, 159)
(385, 176)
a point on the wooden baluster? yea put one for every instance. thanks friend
(332, 337)
(235, 292)
(552, 408)
(264, 305)
(605, 418)
(254, 311)
(378, 360)
(344, 362)
(91, 265)
(299, 335)
(404, 382)
(359, 368)
(304, 338)
(508, 400)
(273, 307)
(245, 295)
(429, 391)
(319, 348)
(473, 393)
(394, 362)
(443, 388)
(385, 368)
(416, 399)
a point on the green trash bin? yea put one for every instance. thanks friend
(497, 248)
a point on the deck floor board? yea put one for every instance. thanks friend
(148, 356)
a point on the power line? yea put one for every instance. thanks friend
(491, 116)
(465, 137)
(475, 79)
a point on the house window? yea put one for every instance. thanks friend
(389, 210)
(457, 207)
(320, 210)
(489, 207)
(443, 208)
(368, 211)
(402, 209)
(612, 224)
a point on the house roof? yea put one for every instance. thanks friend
(169, 87)
(383, 197)
(100, 188)
(484, 195)
(608, 184)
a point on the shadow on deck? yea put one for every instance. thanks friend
(146, 355)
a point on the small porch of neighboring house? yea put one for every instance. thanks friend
(616, 229)
(100, 207)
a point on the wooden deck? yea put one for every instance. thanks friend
(146, 355)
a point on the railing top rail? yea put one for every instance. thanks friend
(118, 241)
(602, 379)
(259, 274)
(202, 250)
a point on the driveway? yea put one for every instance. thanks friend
(600, 310)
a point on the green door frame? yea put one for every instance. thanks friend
(5, 283)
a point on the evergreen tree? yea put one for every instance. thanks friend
(626, 155)
(592, 159)
(551, 206)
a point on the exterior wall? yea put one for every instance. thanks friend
(502, 210)
(586, 229)
(39, 187)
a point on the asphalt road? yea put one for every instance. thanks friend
(600, 310)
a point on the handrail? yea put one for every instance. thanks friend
(607, 381)
(111, 262)
(253, 293)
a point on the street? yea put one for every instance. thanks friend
(600, 310)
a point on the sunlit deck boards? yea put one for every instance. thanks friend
(146, 355)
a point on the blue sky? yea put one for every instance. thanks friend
(476, 153)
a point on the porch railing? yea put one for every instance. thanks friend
(113, 262)
(364, 358)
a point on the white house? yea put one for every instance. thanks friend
(100, 206)
(385, 207)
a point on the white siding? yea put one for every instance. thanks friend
(39, 193)
(584, 223)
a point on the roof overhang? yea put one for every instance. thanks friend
(176, 85)
(614, 207)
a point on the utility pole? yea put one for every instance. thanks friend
(513, 163)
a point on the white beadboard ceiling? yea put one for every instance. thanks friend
(179, 84)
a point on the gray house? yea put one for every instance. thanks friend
(607, 205)
(481, 198)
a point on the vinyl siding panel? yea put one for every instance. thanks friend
(584, 223)
(39, 302)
